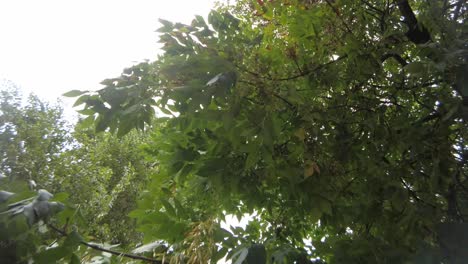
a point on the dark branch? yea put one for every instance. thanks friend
(460, 183)
(113, 252)
(307, 72)
(417, 33)
(284, 100)
(378, 11)
(458, 7)
(337, 12)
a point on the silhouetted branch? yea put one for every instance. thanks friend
(458, 7)
(418, 34)
(113, 252)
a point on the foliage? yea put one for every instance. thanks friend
(33, 134)
(25, 237)
(18, 240)
(334, 122)
(99, 177)
(104, 175)
(338, 126)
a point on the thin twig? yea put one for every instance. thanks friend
(284, 100)
(113, 252)
(372, 7)
(305, 73)
(302, 74)
(339, 16)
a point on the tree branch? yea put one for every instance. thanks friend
(284, 100)
(113, 252)
(417, 33)
(378, 11)
(307, 72)
(458, 7)
(302, 74)
(339, 17)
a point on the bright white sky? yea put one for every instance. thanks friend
(53, 46)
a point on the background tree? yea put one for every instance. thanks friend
(101, 175)
(33, 135)
(104, 175)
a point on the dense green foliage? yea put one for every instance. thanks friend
(33, 134)
(98, 176)
(339, 126)
(104, 175)
(340, 122)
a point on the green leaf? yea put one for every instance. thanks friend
(415, 67)
(74, 259)
(462, 79)
(88, 121)
(454, 109)
(240, 256)
(252, 158)
(86, 112)
(181, 212)
(102, 122)
(72, 241)
(169, 208)
(167, 26)
(74, 93)
(126, 124)
(82, 99)
(183, 173)
(220, 253)
(60, 197)
(256, 254)
(52, 255)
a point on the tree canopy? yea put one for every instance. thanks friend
(33, 133)
(98, 176)
(338, 126)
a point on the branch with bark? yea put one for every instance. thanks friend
(417, 33)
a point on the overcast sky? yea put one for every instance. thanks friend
(52, 46)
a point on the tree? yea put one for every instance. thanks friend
(98, 176)
(104, 175)
(336, 123)
(33, 134)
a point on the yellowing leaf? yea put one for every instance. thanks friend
(310, 168)
(300, 134)
(308, 171)
(316, 167)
